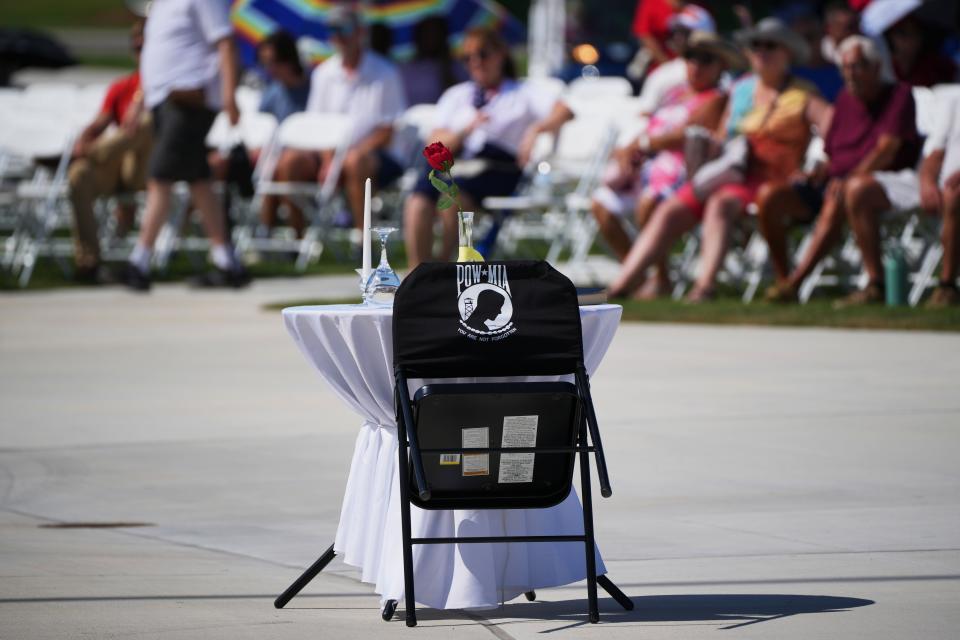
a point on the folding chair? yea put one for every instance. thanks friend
(491, 320)
(306, 132)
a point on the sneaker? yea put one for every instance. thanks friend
(943, 296)
(132, 278)
(872, 294)
(235, 278)
(782, 293)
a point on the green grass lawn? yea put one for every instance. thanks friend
(731, 311)
(48, 276)
(65, 13)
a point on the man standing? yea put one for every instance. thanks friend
(872, 139)
(109, 163)
(364, 85)
(189, 71)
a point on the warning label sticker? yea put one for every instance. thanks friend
(476, 438)
(518, 431)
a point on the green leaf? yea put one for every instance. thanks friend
(445, 202)
(439, 184)
(454, 190)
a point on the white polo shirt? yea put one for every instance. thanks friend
(510, 112)
(179, 49)
(945, 135)
(373, 93)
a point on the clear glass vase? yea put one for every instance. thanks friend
(466, 252)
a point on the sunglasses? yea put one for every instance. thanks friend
(764, 45)
(700, 57)
(480, 55)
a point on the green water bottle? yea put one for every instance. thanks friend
(895, 275)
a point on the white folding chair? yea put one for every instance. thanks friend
(305, 132)
(40, 206)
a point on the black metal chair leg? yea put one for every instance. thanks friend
(304, 579)
(410, 604)
(615, 592)
(588, 544)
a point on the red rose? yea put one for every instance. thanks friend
(438, 156)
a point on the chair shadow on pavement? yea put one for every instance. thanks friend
(739, 610)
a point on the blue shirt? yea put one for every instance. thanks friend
(281, 100)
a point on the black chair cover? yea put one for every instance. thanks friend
(486, 319)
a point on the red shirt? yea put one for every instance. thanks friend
(856, 128)
(120, 95)
(653, 19)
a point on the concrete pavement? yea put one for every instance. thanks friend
(770, 482)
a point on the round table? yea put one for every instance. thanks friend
(351, 346)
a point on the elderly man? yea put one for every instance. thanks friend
(361, 83)
(872, 140)
(936, 190)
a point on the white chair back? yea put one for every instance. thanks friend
(601, 87)
(248, 99)
(315, 131)
(254, 130)
(410, 132)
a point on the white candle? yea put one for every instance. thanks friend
(366, 231)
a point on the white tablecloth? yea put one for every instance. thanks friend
(352, 348)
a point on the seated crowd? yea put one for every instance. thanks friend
(728, 128)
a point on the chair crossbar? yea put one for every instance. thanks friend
(491, 539)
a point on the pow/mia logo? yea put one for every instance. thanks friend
(484, 301)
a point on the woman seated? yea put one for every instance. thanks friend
(775, 112)
(487, 119)
(651, 168)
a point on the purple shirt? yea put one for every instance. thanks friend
(857, 127)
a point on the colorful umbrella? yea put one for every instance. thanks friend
(305, 19)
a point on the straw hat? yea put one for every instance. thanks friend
(713, 44)
(775, 30)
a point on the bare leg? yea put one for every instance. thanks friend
(661, 270)
(418, 212)
(670, 220)
(211, 213)
(155, 212)
(357, 167)
(826, 233)
(865, 200)
(718, 217)
(778, 205)
(293, 166)
(951, 232)
(611, 230)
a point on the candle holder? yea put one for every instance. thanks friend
(383, 283)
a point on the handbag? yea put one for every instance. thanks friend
(730, 167)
